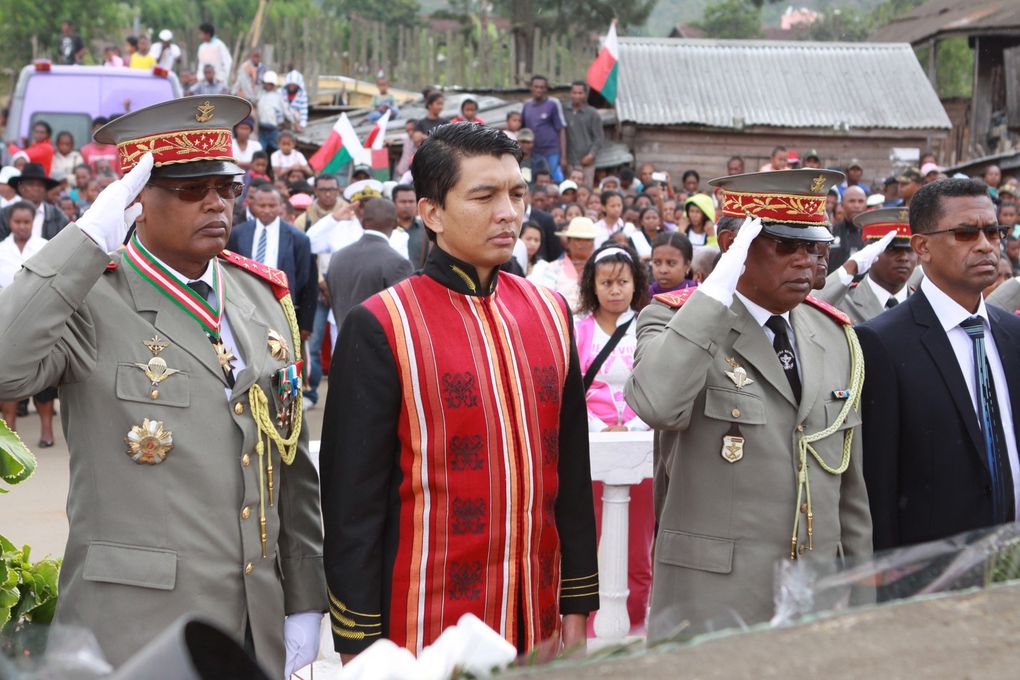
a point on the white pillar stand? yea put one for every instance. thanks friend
(618, 460)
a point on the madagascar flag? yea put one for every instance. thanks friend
(339, 149)
(378, 155)
(602, 73)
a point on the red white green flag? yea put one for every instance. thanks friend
(603, 71)
(339, 149)
(376, 154)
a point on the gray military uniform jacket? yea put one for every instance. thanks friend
(1006, 296)
(149, 543)
(858, 302)
(724, 525)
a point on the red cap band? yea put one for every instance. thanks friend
(183, 146)
(773, 207)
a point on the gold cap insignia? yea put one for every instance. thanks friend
(904, 216)
(205, 112)
(149, 443)
(817, 184)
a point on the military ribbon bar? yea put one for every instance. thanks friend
(194, 305)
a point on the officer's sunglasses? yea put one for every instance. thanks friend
(968, 232)
(787, 247)
(197, 191)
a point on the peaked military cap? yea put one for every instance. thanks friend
(875, 224)
(789, 203)
(188, 137)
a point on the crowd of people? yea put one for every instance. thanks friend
(640, 304)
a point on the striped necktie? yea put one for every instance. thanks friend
(260, 250)
(996, 455)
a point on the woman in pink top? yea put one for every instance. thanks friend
(614, 288)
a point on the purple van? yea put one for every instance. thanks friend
(69, 97)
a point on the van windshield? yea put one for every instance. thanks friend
(78, 124)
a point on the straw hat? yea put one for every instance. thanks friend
(579, 227)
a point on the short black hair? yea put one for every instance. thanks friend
(606, 195)
(777, 150)
(581, 83)
(400, 188)
(626, 173)
(259, 155)
(588, 301)
(46, 126)
(207, 28)
(63, 133)
(132, 40)
(20, 205)
(326, 177)
(436, 165)
(677, 240)
(286, 133)
(926, 206)
(100, 120)
(467, 101)
(542, 171)
(690, 173)
(512, 113)
(538, 77)
(433, 96)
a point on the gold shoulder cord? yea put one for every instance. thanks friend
(804, 444)
(264, 426)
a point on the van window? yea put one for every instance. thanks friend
(78, 124)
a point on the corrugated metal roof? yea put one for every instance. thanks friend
(741, 83)
(953, 17)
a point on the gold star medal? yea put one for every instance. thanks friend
(278, 346)
(224, 356)
(149, 443)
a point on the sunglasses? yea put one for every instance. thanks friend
(788, 247)
(197, 191)
(969, 233)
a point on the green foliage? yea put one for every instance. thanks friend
(736, 19)
(845, 24)
(391, 12)
(23, 20)
(954, 68)
(16, 462)
(573, 17)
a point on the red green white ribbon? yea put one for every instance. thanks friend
(194, 305)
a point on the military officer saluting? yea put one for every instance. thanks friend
(887, 263)
(191, 490)
(761, 384)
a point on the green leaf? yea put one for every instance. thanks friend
(16, 462)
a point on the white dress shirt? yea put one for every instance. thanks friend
(226, 333)
(882, 294)
(37, 221)
(762, 315)
(272, 242)
(950, 314)
(12, 259)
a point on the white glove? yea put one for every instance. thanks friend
(301, 638)
(108, 219)
(722, 282)
(866, 256)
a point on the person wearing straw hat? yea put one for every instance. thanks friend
(759, 383)
(563, 275)
(178, 365)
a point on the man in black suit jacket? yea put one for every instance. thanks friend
(32, 185)
(369, 265)
(931, 471)
(552, 247)
(286, 248)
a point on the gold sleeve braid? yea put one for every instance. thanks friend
(265, 428)
(804, 444)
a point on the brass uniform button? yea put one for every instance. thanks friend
(248, 569)
(735, 413)
(246, 512)
(803, 508)
(245, 460)
(800, 428)
(154, 394)
(239, 408)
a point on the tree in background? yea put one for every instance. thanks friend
(845, 24)
(733, 19)
(31, 29)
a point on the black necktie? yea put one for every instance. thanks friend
(891, 302)
(784, 350)
(204, 289)
(996, 453)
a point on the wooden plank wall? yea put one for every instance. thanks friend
(678, 149)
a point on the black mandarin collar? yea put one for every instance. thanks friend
(457, 275)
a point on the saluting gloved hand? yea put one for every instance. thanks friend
(866, 256)
(108, 219)
(301, 639)
(722, 282)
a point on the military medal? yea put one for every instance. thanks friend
(149, 443)
(738, 375)
(156, 371)
(278, 346)
(155, 345)
(224, 356)
(732, 448)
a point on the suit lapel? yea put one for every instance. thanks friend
(172, 322)
(244, 236)
(251, 334)
(755, 348)
(812, 359)
(1008, 346)
(284, 252)
(936, 342)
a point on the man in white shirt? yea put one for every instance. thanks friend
(343, 227)
(272, 111)
(165, 51)
(943, 381)
(213, 51)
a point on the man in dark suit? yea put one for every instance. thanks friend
(271, 241)
(32, 185)
(552, 247)
(942, 393)
(369, 265)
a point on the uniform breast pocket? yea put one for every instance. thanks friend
(134, 385)
(833, 407)
(734, 406)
